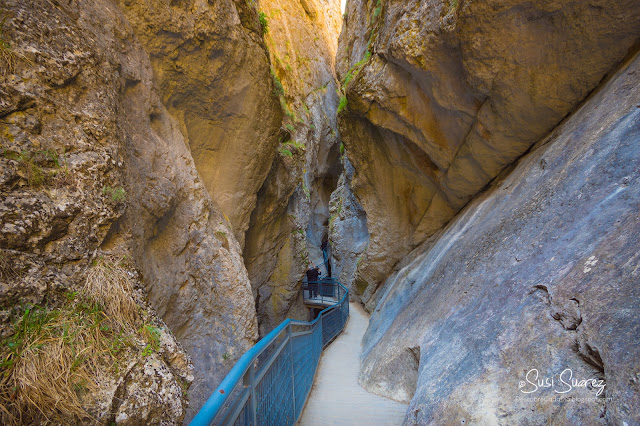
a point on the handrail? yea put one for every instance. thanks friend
(270, 383)
(321, 292)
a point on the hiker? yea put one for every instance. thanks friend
(312, 280)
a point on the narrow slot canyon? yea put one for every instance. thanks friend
(463, 174)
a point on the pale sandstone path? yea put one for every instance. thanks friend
(336, 397)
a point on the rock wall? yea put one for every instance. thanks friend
(292, 212)
(535, 276)
(348, 232)
(211, 67)
(102, 108)
(64, 191)
(440, 96)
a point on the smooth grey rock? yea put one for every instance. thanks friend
(541, 271)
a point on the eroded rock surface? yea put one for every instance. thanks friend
(92, 160)
(347, 231)
(443, 95)
(540, 272)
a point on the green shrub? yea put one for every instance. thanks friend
(343, 104)
(263, 22)
(116, 194)
(285, 152)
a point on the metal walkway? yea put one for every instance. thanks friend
(270, 383)
(336, 397)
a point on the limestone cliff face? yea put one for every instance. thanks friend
(69, 76)
(212, 70)
(96, 159)
(539, 272)
(287, 225)
(442, 95)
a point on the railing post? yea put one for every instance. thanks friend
(293, 380)
(254, 401)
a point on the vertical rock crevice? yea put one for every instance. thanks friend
(287, 225)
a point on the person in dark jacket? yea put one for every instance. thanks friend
(312, 279)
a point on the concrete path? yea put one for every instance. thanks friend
(336, 397)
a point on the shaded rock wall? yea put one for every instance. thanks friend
(348, 231)
(288, 222)
(539, 272)
(443, 95)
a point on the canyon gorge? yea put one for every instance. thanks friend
(170, 168)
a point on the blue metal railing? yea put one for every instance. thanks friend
(324, 292)
(270, 383)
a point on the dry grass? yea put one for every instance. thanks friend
(54, 362)
(109, 284)
(6, 267)
(8, 56)
(57, 358)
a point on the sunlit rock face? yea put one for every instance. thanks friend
(292, 213)
(538, 275)
(211, 67)
(442, 96)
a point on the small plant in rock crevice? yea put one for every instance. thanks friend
(116, 195)
(8, 56)
(285, 152)
(264, 23)
(343, 104)
(35, 167)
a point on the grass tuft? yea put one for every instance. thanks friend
(108, 282)
(285, 152)
(55, 361)
(116, 194)
(9, 58)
